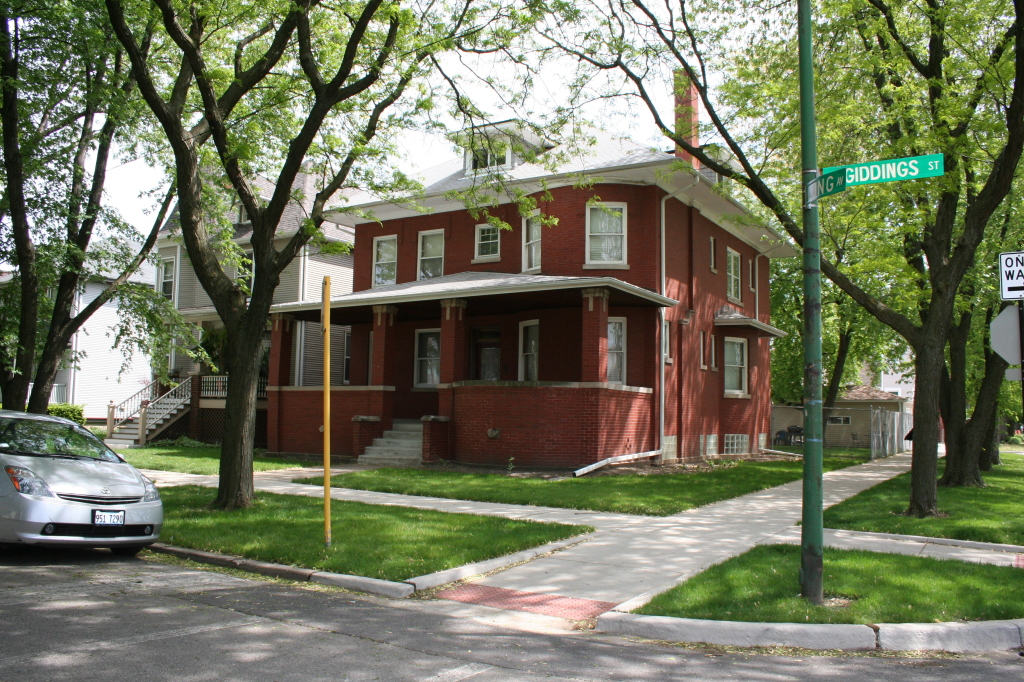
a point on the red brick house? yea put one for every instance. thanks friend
(639, 323)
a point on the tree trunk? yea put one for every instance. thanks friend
(46, 372)
(928, 366)
(243, 364)
(989, 455)
(835, 380)
(962, 441)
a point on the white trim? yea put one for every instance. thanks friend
(713, 253)
(714, 355)
(539, 241)
(488, 258)
(751, 277)
(666, 339)
(373, 261)
(744, 388)
(622, 320)
(703, 350)
(419, 254)
(601, 206)
(416, 358)
(177, 276)
(522, 326)
(733, 277)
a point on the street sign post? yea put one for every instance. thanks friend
(892, 170)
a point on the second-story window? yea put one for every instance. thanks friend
(606, 234)
(732, 275)
(531, 242)
(488, 246)
(714, 255)
(431, 260)
(385, 260)
(167, 278)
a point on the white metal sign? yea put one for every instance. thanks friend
(1005, 335)
(1011, 276)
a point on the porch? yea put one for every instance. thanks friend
(550, 371)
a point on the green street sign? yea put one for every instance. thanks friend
(832, 183)
(891, 170)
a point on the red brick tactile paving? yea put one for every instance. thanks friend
(570, 608)
(1018, 561)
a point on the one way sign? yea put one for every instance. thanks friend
(1011, 276)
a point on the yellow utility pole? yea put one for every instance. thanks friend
(325, 329)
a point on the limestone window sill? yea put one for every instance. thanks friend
(606, 266)
(486, 259)
(736, 395)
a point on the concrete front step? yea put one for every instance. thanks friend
(390, 441)
(398, 452)
(407, 425)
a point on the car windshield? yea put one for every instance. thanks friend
(49, 439)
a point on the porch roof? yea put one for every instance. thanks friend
(488, 293)
(728, 316)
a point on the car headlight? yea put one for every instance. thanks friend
(151, 492)
(27, 483)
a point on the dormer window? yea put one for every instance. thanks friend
(488, 159)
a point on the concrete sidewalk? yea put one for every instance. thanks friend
(631, 558)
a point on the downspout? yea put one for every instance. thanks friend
(661, 325)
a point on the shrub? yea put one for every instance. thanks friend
(98, 431)
(75, 413)
(1015, 440)
(180, 442)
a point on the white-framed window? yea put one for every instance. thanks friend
(702, 351)
(347, 371)
(243, 215)
(529, 350)
(839, 421)
(531, 241)
(369, 360)
(733, 279)
(762, 441)
(711, 445)
(488, 243)
(428, 357)
(616, 350)
(487, 158)
(714, 354)
(714, 254)
(385, 260)
(666, 339)
(430, 262)
(606, 234)
(737, 443)
(167, 278)
(735, 365)
(751, 275)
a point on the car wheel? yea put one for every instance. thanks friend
(127, 550)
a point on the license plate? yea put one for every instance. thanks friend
(104, 517)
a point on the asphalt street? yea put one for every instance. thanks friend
(87, 615)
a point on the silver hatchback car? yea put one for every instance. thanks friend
(62, 486)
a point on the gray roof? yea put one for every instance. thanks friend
(471, 284)
(608, 152)
(727, 316)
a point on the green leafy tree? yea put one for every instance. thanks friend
(280, 88)
(904, 79)
(67, 98)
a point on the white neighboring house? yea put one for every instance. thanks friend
(97, 380)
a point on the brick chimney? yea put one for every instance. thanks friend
(687, 109)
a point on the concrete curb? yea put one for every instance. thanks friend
(995, 635)
(425, 582)
(384, 588)
(729, 633)
(971, 544)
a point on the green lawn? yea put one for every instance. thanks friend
(989, 514)
(188, 460)
(762, 586)
(654, 494)
(376, 541)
